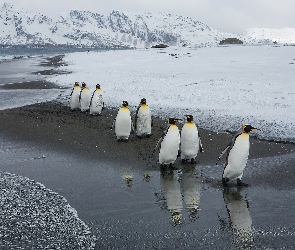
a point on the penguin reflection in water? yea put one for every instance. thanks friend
(190, 141)
(123, 123)
(143, 120)
(75, 97)
(181, 190)
(169, 149)
(239, 216)
(96, 103)
(237, 156)
(85, 97)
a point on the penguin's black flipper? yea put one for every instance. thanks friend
(80, 95)
(158, 143)
(135, 120)
(222, 153)
(92, 97)
(161, 139)
(132, 126)
(71, 92)
(113, 125)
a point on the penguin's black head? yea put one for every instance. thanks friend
(248, 128)
(189, 118)
(143, 101)
(125, 104)
(83, 84)
(98, 86)
(173, 120)
(77, 84)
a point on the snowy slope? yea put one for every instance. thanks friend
(118, 29)
(284, 35)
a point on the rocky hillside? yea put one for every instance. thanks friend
(116, 30)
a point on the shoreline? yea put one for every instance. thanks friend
(54, 125)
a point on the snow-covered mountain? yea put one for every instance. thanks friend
(284, 35)
(118, 29)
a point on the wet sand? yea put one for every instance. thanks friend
(119, 190)
(55, 125)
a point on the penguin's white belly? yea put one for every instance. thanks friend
(123, 124)
(85, 100)
(96, 103)
(74, 100)
(169, 146)
(237, 158)
(143, 123)
(189, 141)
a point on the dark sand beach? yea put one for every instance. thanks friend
(120, 192)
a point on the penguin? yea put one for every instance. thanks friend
(170, 141)
(74, 98)
(96, 102)
(190, 141)
(85, 97)
(143, 120)
(123, 123)
(237, 156)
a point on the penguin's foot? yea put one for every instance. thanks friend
(193, 161)
(183, 161)
(122, 140)
(240, 183)
(224, 182)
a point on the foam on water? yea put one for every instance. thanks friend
(35, 217)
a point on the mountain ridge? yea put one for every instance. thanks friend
(119, 29)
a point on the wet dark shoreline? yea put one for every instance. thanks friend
(54, 124)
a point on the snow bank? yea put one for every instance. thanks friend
(222, 87)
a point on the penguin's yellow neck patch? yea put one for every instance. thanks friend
(77, 87)
(124, 108)
(190, 123)
(144, 105)
(245, 134)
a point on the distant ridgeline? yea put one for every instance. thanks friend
(118, 30)
(230, 41)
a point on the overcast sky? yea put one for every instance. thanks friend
(225, 15)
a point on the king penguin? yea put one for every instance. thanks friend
(74, 99)
(190, 141)
(85, 97)
(169, 143)
(96, 103)
(143, 120)
(123, 123)
(237, 156)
